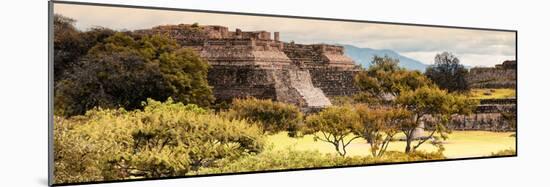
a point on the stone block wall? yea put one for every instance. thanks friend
(334, 81)
(501, 76)
(488, 117)
(318, 55)
(231, 82)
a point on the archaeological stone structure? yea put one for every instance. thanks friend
(257, 64)
(488, 116)
(501, 76)
(245, 63)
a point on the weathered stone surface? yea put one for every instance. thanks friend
(501, 76)
(313, 96)
(333, 81)
(488, 116)
(252, 64)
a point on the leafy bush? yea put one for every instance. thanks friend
(292, 159)
(506, 152)
(283, 159)
(273, 116)
(395, 156)
(165, 139)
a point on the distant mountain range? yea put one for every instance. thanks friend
(363, 56)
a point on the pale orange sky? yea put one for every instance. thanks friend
(473, 47)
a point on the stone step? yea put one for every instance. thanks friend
(313, 96)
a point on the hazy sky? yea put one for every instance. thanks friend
(473, 47)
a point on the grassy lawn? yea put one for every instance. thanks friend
(498, 93)
(459, 145)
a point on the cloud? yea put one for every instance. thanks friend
(477, 47)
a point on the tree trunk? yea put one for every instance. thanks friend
(408, 148)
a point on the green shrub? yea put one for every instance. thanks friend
(506, 152)
(165, 139)
(292, 159)
(283, 159)
(395, 156)
(273, 116)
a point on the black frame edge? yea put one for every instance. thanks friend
(284, 170)
(50, 95)
(51, 4)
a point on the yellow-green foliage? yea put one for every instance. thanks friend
(332, 125)
(396, 156)
(379, 125)
(273, 116)
(437, 103)
(291, 159)
(165, 139)
(497, 93)
(459, 144)
(341, 100)
(385, 77)
(506, 152)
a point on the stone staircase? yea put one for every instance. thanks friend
(313, 96)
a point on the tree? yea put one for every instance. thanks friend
(436, 103)
(379, 126)
(71, 44)
(413, 93)
(274, 117)
(67, 44)
(334, 125)
(123, 72)
(385, 80)
(448, 73)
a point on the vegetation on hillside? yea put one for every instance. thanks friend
(131, 106)
(162, 140)
(116, 69)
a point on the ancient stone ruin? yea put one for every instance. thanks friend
(252, 63)
(255, 64)
(501, 76)
(488, 116)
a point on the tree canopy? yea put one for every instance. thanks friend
(71, 44)
(333, 125)
(448, 73)
(274, 117)
(123, 71)
(384, 79)
(409, 94)
(436, 103)
(380, 125)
